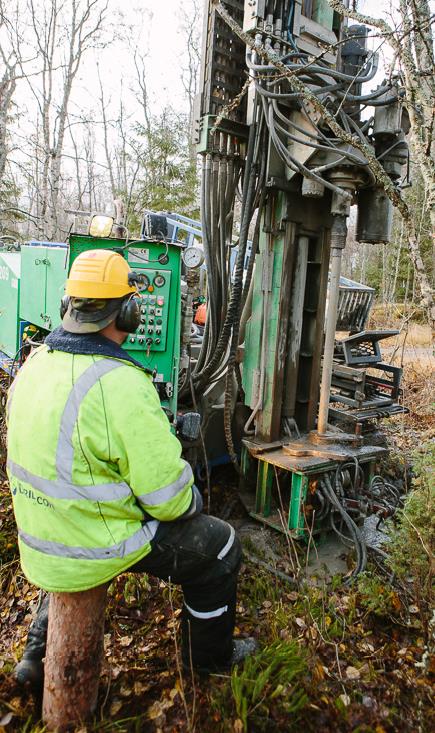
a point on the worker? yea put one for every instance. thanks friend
(98, 483)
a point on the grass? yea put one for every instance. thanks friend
(269, 680)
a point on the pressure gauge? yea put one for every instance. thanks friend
(143, 282)
(193, 257)
(159, 280)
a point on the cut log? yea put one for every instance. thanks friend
(73, 658)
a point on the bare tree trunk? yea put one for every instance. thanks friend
(79, 23)
(396, 270)
(7, 89)
(74, 657)
(106, 138)
(80, 190)
(191, 30)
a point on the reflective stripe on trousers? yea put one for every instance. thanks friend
(207, 614)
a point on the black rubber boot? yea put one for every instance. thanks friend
(29, 672)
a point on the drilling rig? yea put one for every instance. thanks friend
(286, 132)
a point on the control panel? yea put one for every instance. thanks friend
(155, 290)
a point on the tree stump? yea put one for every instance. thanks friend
(74, 656)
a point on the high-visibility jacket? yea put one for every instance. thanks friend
(91, 458)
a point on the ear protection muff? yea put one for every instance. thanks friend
(128, 318)
(64, 303)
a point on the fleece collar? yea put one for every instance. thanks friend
(89, 344)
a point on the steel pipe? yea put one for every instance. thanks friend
(338, 242)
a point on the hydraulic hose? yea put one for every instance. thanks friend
(234, 303)
(360, 545)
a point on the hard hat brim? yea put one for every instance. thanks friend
(74, 321)
(84, 289)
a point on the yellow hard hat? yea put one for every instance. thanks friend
(99, 273)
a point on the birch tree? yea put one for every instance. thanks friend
(191, 31)
(411, 40)
(64, 32)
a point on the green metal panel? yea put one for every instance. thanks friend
(33, 284)
(298, 496)
(10, 263)
(270, 278)
(251, 357)
(156, 343)
(56, 266)
(323, 13)
(263, 494)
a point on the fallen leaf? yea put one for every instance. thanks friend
(318, 672)
(345, 699)
(365, 646)
(155, 710)
(368, 701)
(352, 673)
(115, 707)
(292, 596)
(6, 719)
(125, 640)
(301, 623)
(140, 687)
(238, 726)
(125, 691)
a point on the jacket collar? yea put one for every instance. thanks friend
(89, 344)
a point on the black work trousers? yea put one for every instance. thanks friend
(203, 555)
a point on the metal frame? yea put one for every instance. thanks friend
(262, 459)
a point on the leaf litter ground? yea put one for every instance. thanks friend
(353, 659)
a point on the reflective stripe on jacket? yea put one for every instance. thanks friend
(89, 448)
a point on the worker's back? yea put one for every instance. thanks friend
(84, 456)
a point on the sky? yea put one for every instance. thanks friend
(158, 33)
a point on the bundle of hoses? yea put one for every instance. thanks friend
(332, 87)
(220, 176)
(218, 331)
(227, 292)
(330, 496)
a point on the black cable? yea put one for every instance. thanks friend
(360, 545)
(248, 196)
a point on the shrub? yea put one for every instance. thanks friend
(411, 549)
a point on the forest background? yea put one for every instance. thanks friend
(97, 103)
